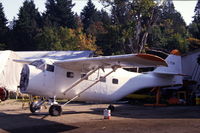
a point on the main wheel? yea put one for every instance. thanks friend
(34, 108)
(111, 107)
(55, 110)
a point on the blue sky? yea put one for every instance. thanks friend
(11, 7)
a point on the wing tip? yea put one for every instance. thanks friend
(155, 58)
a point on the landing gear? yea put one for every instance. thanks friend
(34, 107)
(55, 110)
(111, 107)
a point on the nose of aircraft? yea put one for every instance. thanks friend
(24, 80)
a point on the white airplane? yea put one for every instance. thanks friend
(95, 79)
(10, 71)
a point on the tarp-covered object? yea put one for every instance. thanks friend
(9, 70)
(55, 55)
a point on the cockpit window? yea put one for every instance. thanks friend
(50, 68)
(40, 64)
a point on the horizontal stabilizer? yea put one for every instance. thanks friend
(172, 74)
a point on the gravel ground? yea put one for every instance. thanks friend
(82, 118)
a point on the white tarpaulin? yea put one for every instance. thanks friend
(9, 70)
(56, 55)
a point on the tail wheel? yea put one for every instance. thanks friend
(3, 94)
(34, 107)
(55, 110)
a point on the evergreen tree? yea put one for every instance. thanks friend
(88, 15)
(59, 13)
(197, 12)
(114, 38)
(194, 29)
(3, 29)
(170, 32)
(26, 27)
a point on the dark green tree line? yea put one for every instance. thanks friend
(26, 27)
(170, 32)
(194, 29)
(3, 29)
(59, 13)
(130, 26)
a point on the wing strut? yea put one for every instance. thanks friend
(114, 68)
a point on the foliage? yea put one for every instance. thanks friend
(197, 13)
(88, 15)
(194, 43)
(194, 29)
(129, 27)
(59, 13)
(132, 21)
(3, 29)
(26, 27)
(60, 38)
(170, 32)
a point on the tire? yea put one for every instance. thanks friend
(34, 108)
(55, 110)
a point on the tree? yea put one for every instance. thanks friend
(26, 27)
(194, 29)
(170, 30)
(54, 38)
(59, 13)
(3, 29)
(145, 15)
(194, 43)
(132, 21)
(88, 15)
(197, 12)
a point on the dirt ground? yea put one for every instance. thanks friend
(88, 118)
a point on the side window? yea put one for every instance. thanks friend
(115, 81)
(102, 79)
(70, 74)
(50, 68)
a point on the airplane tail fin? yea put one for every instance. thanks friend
(173, 70)
(174, 66)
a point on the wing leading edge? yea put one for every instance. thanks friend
(123, 61)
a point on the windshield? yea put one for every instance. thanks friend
(38, 64)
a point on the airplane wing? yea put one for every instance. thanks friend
(123, 61)
(25, 61)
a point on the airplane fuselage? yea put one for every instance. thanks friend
(114, 87)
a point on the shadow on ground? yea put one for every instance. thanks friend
(25, 122)
(18, 123)
(142, 112)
